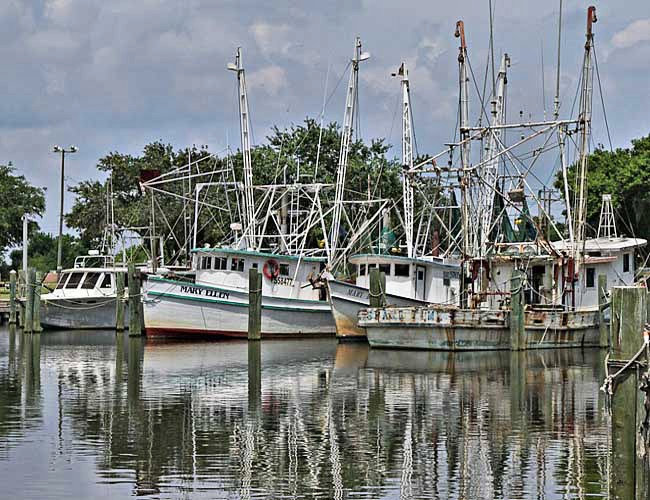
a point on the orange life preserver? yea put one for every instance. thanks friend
(271, 269)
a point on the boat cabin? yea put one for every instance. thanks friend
(551, 278)
(86, 282)
(289, 276)
(432, 279)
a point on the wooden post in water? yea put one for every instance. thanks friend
(119, 304)
(38, 278)
(602, 306)
(377, 289)
(254, 377)
(628, 317)
(28, 322)
(12, 297)
(21, 294)
(254, 304)
(517, 318)
(135, 325)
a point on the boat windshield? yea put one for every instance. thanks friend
(90, 280)
(74, 280)
(64, 277)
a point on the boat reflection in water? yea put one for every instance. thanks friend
(106, 415)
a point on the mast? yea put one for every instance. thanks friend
(346, 136)
(490, 170)
(407, 160)
(464, 136)
(584, 123)
(248, 237)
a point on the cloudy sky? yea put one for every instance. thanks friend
(113, 75)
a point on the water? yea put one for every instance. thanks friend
(95, 415)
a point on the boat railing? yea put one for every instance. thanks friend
(94, 261)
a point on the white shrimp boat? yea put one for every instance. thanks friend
(409, 282)
(216, 301)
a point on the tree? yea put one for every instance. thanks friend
(285, 153)
(43, 251)
(625, 174)
(19, 198)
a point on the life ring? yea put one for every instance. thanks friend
(271, 269)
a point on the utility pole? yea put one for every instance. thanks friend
(63, 151)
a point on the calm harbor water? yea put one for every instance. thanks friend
(100, 415)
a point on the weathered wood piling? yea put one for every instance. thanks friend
(12, 297)
(254, 304)
(517, 313)
(119, 305)
(629, 450)
(377, 289)
(30, 278)
(36, 314)
(135, 302)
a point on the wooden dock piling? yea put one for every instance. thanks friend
(12, 297)
(28, 322)
(36, 314)
(517, 317)
(20, 293)
(119, 305)
(629, 477)
(602, 306)
(135, 302)
(377, 289)
(254, 304)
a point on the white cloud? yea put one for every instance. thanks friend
(638, 31)
(271, 38)
(270, 78)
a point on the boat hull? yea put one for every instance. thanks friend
(451, 329)
(80, 313)
(347, 300)
(182, 309)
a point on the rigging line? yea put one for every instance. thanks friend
(322, 115)
(478, 92)
(602, 100)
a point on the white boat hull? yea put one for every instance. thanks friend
(80, 313)
(347, 299)
(182, 309)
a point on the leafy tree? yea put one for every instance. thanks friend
(18, 197)
(625, 174)
(286, 153)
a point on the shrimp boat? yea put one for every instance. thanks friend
(85, 296)
(520, 288)
(272, 237)
(410, 280)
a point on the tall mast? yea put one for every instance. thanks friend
(244, 128)
(490, 170)
(346, 136)
(407, 160)
(464, 136)
(584, 120)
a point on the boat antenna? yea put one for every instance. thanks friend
(556, 102)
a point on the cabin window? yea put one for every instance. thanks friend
(255, 265)
(402, 270)
(362, 269)
(75, 279)
(446, 278)
(221, 263)
(284, 269)
(591, 277)
(106, 281)
(384, 268)
(237, 264)
(626, 262)
(62, 280)
(90, 281)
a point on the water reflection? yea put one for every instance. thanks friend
(305, 419)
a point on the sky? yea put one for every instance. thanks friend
(115, 75)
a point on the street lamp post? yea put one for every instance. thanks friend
(63, 151)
